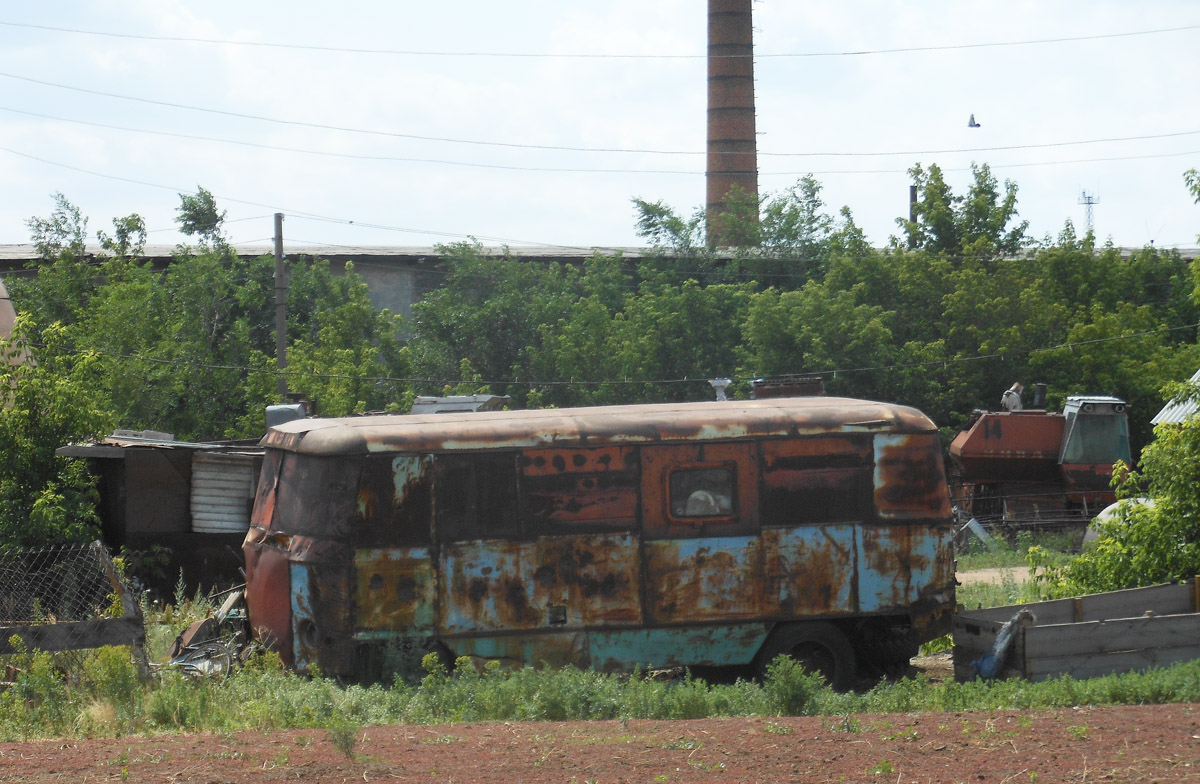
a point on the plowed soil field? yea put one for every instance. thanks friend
(1150, 743)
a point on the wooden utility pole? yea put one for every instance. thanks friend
(280, 309)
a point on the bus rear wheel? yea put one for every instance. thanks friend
(818, 646)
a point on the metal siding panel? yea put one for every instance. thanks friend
(811, 570)
(301, 605)
(730, 644)
(594, 579)
(221, 493)
(396, 589)
(480, 589)
(511, 586)
(894, 564)
(697, 580)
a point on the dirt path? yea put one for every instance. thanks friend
(1019, 574)
(1113, 744)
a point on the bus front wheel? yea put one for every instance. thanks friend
(818, 646)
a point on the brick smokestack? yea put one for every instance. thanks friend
(732, 145)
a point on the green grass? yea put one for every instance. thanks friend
(1061, 547)
(99, 695)
(264, 696)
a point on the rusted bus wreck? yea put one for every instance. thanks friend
(719, 533)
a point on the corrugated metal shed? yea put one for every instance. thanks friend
(1176, 412)
(222, 491)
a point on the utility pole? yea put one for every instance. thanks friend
(280, 309)
(1088, 201)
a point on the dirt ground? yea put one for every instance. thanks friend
(1115, 744)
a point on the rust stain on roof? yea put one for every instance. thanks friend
(595, 426)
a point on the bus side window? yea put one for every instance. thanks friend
(476, 496)
(395, 501)
(699, 490)
(702, 492)
(817, 480)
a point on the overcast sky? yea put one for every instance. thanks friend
(453, 126)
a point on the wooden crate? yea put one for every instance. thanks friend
(1086, 636)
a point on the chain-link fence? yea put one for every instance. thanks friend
(68, 598)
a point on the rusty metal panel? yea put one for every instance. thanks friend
(817, 480)
(1010, 446)
(810, 570)
(568, 490)
(396, 589)
(481, 589)
(624, 649)
(549, 583)
(322, 615)
(910, 482)
(710, 579)
(660, 462)
(268, 593)
(584, 580)
(552, 649)
(896, 562)
(596, 426)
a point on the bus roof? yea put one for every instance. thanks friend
(595, 426)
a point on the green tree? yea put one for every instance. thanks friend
(490, 311)
(817, 329)
(781, 239)
(49, 397)
(198, 216)
(974, 224)
(1145, 544)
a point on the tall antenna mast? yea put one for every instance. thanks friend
(1088, 201)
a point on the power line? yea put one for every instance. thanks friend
(345, 155)
(592, 56)
(689, 172)
(568, 148)
(306, 215)
(322, 126)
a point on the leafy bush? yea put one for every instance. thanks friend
(1143, 544)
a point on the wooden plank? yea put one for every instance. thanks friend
(1167, 599)
(1053, 611)
(1108, 663)
(1161, 599)
(1127, 634)
(75, 636)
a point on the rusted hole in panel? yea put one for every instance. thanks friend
(406, 589)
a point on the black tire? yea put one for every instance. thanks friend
(819, 646)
